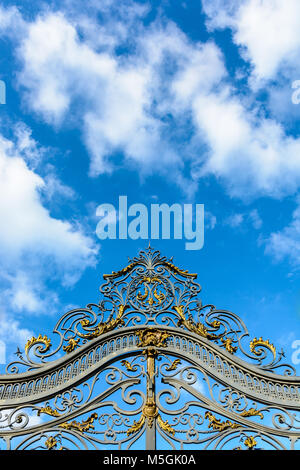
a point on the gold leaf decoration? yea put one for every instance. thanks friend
(252, 412)
(174, 365)
(152, 337)
(250, 442)
(137, 425)
(129, 267)
(51, 443)
(202, 330)
(165, 426)
(159, 297)
(219, 425)
(260, 342)
(149, 415)
(197, 328)
(128, 366)
(227, 343)
(81, 427)
(122, 272)
(177, 270)
(40, 339)
(142, 297)
(72, 344)
(103, 327)
(49, 411)
(151, 280)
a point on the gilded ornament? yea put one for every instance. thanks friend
(219, 425)
(174, 365)
(260, 342)
(129, 267)
(40, 339)
(103, 327)
(252, 412)
(227, 343)
(152, 337)
(151, 280)
(177, 270)
(150, 411)
(82, 427)
(128, 366)
(142, 297)
(197, 328)
(51, 443)
(48, 410)
(165, 426)
(250, 442)
(160, 297)
(137, 425)
(72, 344)
(120, 273)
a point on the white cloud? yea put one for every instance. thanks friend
(285, 244)
(12, 333)
(143, 103)
(255, 219)
(234, 220)
(7, 417)
(122, 102)
(25, 291)
(12, 23)
(54, 187)
(26, 224)
(34, 246)
(64, 68)
(245, 143)
(26, 146)
(250, 218)
(210, 220)
(267, 31)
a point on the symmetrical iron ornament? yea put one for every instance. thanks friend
(149, 367)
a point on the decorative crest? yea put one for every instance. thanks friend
(151, 291)
(149, 359)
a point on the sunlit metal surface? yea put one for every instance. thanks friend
(149, 367)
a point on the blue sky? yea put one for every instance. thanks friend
(165, 102)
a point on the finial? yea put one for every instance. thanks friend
(149, 246)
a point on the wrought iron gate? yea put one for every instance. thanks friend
(149, 367)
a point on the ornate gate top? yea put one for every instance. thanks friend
(151, 350)
(152, 291)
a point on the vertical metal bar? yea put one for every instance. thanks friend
(150, 409)
(151, 436)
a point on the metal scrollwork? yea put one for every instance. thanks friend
(149, 364)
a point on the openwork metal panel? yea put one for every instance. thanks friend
(149, 367)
